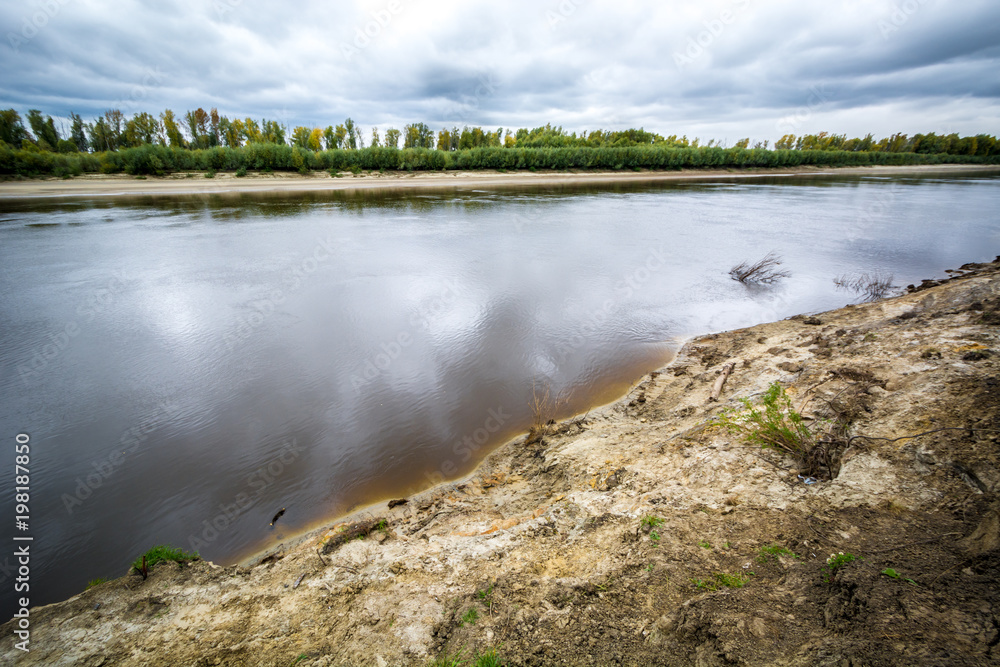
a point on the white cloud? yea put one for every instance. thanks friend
(722, 69)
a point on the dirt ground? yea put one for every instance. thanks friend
(643, 533)
(122, 185)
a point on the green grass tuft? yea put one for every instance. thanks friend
(163, 553)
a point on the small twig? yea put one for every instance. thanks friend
(299, 580)
(721, 380)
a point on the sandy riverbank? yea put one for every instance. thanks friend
(120, 185)
(640, 533)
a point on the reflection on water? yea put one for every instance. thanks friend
(188, 365)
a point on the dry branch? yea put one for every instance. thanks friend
(763, 270)
(721, 380)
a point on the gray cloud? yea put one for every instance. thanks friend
(721, 69)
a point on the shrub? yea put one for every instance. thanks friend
(776, 426)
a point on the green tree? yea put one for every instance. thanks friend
(198, 122)
(392, 138)
(141, 129)
(300, 136)
(272, 132)
(115, 121)
(12, 129)
(44, 129)
(376, 141)
(171, 129)
(352, 134)
(77, 133)
(418, 135)
(251, 131)
(101, 137)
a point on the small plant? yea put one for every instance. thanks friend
(382, 525)
(649, 521)
(160, 554)
(485, 594)
(777, 426)
(297, 660)
(241, 172)
(705, 584)
(763, 271)
(705, 544)
(356, 170)
(733, 580)
(655, 536)
(96, 582)
(891, 573)
(470, 617)
(543, 408)
(450, 659)
(489, 659)
(838, 560)
(649, 568)
(210, 173)
(773, 552)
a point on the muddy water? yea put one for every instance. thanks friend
(185, 367)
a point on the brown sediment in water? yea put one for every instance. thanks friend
(642, 533)
(119, 185)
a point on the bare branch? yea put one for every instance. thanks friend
(763, 271)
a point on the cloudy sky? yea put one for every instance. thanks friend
(713, 69)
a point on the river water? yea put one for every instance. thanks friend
(187, 366)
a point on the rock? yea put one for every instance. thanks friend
(790, 366)
(397, 502)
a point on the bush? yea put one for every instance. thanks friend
(776, 426)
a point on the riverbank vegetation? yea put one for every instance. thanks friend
(206, 141)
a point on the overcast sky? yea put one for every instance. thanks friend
(722, 70)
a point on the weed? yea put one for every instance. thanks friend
(649, 568)
(763, 271)
(777, 426)
(489, 659)
(870, 336)
(733, 580)
(300, 658)
(470, 617)
(655, 536)
(543, 408)
(838, 560)
(773, 552)
(382, 525)
(356, 170)
(449, 659)
(650, 521)
(96, 582)
(705, 544)
(210, 173)
(160, 554)
(722, 579)
(241, 172)
(889, 572)
(485, 594)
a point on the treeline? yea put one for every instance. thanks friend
(206, 141)
(161, 160)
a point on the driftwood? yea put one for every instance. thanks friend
(721, 380)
